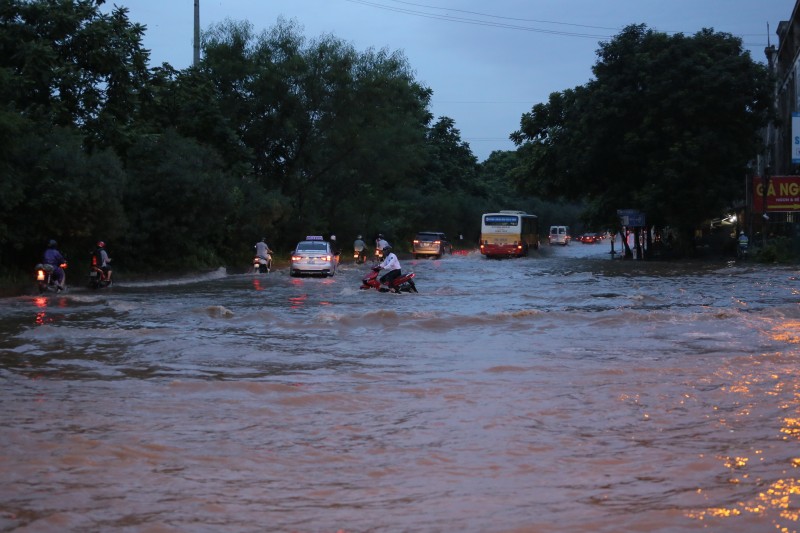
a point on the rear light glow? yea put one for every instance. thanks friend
(40, 275)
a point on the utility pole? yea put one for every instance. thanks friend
(769, 165)
(196, 61)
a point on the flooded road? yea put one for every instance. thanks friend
(562, 392)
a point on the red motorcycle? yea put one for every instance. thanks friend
(404, 283)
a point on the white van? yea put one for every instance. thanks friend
(559, 235)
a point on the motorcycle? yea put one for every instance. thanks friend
(404, 283)
(360, 256)
(262, 265)
(97, 278)
(45, 280)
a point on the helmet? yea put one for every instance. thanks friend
(387, 249)
(52, 243)
(741, 233)
(333, 237)
(359, 236)
(380, 235)
(101, 244)
(263, 239)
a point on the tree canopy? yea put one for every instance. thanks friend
(278, 135)
(272, 134)
(667, 126)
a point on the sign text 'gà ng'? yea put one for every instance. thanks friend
(783, 194)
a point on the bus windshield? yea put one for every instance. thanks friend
(501, 220)
(509, 234)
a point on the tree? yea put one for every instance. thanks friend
(178, 200)
(330, 130)
(69, 84)
(667, 126)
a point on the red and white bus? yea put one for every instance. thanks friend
(509, 233)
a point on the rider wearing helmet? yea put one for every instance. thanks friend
(101, 261)
(380, 242)
(391, 264)
(54, 258)
(360, 247)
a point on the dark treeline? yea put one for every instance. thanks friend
(272, 134)
(277, 135)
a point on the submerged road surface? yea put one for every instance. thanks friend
(561, 392)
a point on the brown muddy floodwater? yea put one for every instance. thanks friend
(562, 392)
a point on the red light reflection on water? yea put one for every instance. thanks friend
(257, 284)
(41, 316)
(298, 301)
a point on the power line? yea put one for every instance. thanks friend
(517, 19)
(506, 25)
(476, 22)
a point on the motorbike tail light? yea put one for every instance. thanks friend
(437, 242)
(63, 265)
(40, 275)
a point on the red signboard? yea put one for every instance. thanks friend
(783, 194)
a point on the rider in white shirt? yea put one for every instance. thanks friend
(391, 264)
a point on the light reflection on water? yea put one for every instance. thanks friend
(566, 392)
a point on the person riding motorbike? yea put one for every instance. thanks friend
(263, 252)
(54, 258)
(391, 264)
(335, 248)
(102, 262)
(361, 248)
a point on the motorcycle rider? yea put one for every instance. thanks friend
(392, 265)
(361, 247)
(335, 248)
(54, 258)
(263, 251)
(102, 261)
(380, 244)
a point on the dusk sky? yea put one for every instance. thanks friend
(486, 62)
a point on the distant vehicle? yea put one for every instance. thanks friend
(313, 256)
(590, 238)
(509, 234)
(559, 235)
(431, 243)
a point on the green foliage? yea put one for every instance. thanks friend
(777, 250)
(667, 126)
(178, 199)
(271, 135)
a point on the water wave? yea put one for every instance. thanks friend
(219, 273)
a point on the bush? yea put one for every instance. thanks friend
(777, 250)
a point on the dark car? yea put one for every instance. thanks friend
(590, 238)
(431, 243)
